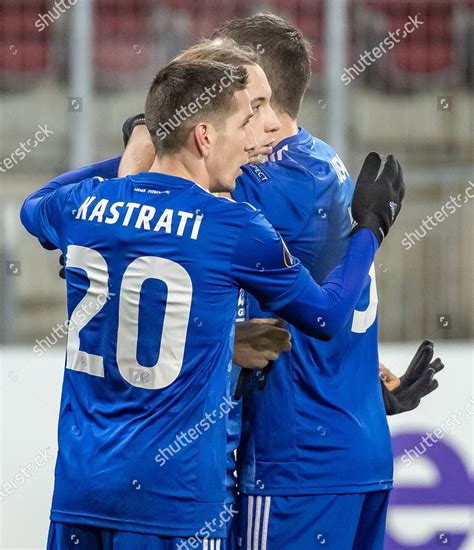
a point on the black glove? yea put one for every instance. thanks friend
(129, 125)
(62, 263)
(417, 382)
(377, 200)
(245, 379)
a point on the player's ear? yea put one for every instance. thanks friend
(203, 138)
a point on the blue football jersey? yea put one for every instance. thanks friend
(153, 276)
(319, 424)
(154, 267)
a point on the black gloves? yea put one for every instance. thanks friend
(129, 125)
(62, 270)
(377, 200)
(417, 382)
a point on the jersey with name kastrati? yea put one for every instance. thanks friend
(319, 424)
(154, 268)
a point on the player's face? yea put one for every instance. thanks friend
(264, 123)
(232, 145)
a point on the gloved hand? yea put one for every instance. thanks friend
(417, 382)
(377, 200)
(62, 270)
(129, 125)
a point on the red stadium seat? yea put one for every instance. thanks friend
(121, 25)
(213, 9)
(430, 48)
(24, 57)
(206, 16)
(118, 57)
(125, 6)
(424, 55)
(307, 16)
(24, 50)
(122, 42)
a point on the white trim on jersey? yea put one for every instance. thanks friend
(249, 522)
(266, 517)
(257, 540)
(256, 528)
(211, 544)
(279, 154)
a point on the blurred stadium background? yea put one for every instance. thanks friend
(80, 67)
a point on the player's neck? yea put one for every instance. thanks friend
(173, 165)
(289, 128)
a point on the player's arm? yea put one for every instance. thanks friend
(263, 266)
(417, 382)
(31, 216)
(41, 207)
(289, 290)
(387, 378)
(259, 341)
(106, 169)
(139, 151)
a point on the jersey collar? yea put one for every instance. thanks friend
(160, 178)
(301, 137)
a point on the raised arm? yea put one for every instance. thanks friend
(45, 204)
(263, 266)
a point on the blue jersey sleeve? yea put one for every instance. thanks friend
(106, 169)
(42, 210)
(263, 266)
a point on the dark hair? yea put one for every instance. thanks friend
(221, 50)
(283, 53)
(204, 90)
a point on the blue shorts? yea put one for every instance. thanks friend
(337, 522)
(65, 536)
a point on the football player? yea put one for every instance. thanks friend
(154, 263)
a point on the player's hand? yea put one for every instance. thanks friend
(62, 269)
(129, 125)
(259, 341)
(390, 380)
(377, 200)
(139, 151)
(417, 382)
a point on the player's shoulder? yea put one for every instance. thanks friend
(227, 206)
(77, 192)
(319, 160)
(303, 159)
(89, 184)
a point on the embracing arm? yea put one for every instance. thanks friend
(31, 207)
(263, 266)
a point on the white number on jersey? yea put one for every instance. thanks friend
(175, 323)
(341, 170)
(363, 320)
